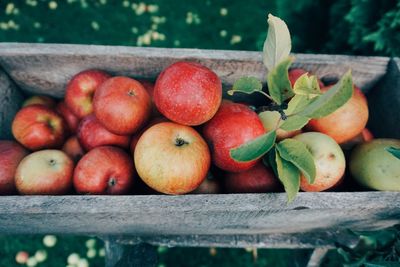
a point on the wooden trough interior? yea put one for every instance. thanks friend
(226, 220)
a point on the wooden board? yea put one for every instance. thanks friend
(241, 220)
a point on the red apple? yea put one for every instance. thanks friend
(149, 86)
(91, 133)
(45, 172)
(188, 93)
(208, 186)
(172, 158)
(40, 99)
(11, 153)
(37, 127)
(233, 125)
(363, 137)
(104, 170)
(294, 74)
(258, 179)
(70, 119)
(122, 105)
(346, 122)
(80, 91)
(73, 148)
(136, 136)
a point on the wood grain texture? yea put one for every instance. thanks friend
(384, 103)
(251, 217)
(10, 102)
(46, 68)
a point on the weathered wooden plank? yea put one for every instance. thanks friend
(10, 102)
(305, 240)
(138, 255)
(45, 68)
(384, 103)
(245, 214)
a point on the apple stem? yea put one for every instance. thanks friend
(180, 142)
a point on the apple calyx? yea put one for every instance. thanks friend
(112, 182)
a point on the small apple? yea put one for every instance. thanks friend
(294, 74)
(122, 105)
(172, 158)
(45, 172)
(363, 137)
(104, 170)
(270, 120)
(11, 154)
(37, 127)
(232, 126)
(70, 119)
(73, 148)
(210, 185)
(40, 99)
(91, 133)
(80, 91)
(258, 179)
(188, 93)
(374, 167)
(328, 158)
(346, 122)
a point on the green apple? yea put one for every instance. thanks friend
(329, 161)
(374, 167)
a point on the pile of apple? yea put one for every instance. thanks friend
(108, 131)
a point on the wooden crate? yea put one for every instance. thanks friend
(226, 220)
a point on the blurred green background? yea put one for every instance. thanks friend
(362, 27)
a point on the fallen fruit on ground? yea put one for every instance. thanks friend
(188, 93)
(37, 127)
(11, 154)
(328, 158)
(122, 105)
(232, 126)
(374, 167)
(172, 158)
(104, 170)
(45, 172)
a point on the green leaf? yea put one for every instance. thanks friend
(254, 149)
(297, 103)
(307, 86)
(331, 100)
(269, 160)
(279, 85)
(278, 44)
(297, 153)
(294, 123)
(246, 85)
(394, 151)
(289, 175)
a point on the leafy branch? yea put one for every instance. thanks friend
(290, 159)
